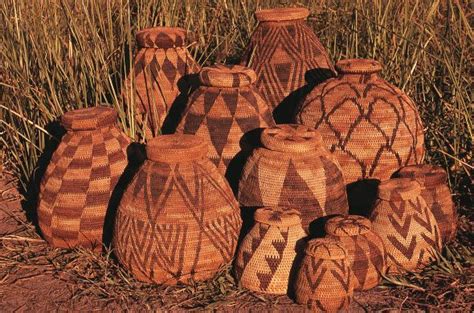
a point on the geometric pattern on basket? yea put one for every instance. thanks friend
(266, 255)
(282, 53)
(365, 249)
(325, 282)
(409, 231)
(437, 195)
(311, 181)
(158, 70)
(78, 183)
(221, 116)
(371, 126)
(176, 222)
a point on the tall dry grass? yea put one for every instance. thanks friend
(60, 55)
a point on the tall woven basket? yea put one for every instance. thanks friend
(294, 169)
(371, 126)
(325, 279)
(222, 110)
(178, 219)
(77, 185)
(286, 55)
(365, 249)
(161, 73)
(406, 225)
(266, 256)
(437, 195)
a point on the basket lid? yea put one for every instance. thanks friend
(281, 14)
(227, 76)
(291, 138)
(176, 148)
(349, 225)
(326, 248)
(358, 66)
(278, 216)
(89, 118)
(425, 174)
(399, 189)
(161, 37)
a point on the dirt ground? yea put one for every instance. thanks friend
(35, 277)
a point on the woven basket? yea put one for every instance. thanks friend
(161, 71)
(78, 183)
(406, 225)
(286, 54)
(371, 126)
(265, 257)
(293, 169)
(223, 109)
(436, 194)
(178, 219)
(365, 250)
(325, 280)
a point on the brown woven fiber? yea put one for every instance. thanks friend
(371, 126)
(266, 255)
(282, 51)
(223, 109)
(77, 185)
(293, 169)
(178, 219)
(406, 225)
(161, 76)
(325, 280)
(436, 194)
(365, 250)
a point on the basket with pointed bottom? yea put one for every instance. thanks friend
(437, 195)
(294, 169)
(78, 183)
(405, 224)
(266, 255)
(365, 250)
(371, 126)
(178, 219)
(325, 280)
(161, 71)
(223, 109)
(286, 55)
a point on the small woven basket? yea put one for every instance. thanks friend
(365, 250)
(406, 225)
(325, 279)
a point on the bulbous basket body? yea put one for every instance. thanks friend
(371, 126)
(406, 225)
(266, 255)
(178, 219)
(293, 169)
(286, 55)
(77, 185)
(365, 249)
(161, 70)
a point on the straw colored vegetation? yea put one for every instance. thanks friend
(60, 55)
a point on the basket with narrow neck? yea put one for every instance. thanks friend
(89, 118)
(161, 37)
(282, 14)
(176, 148)
(276, 216)
(399, 189)
(227, 76)
(351, 225)
(291, 138)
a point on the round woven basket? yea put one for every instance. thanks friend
(437, 195)
(365, 250)
(371, 126)
(77, 185)
(286, 55)
(222, 110)
(406, 225)
(162, 73)
(178, 220)
(293, 169)
(266, 255)
(325, 279)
